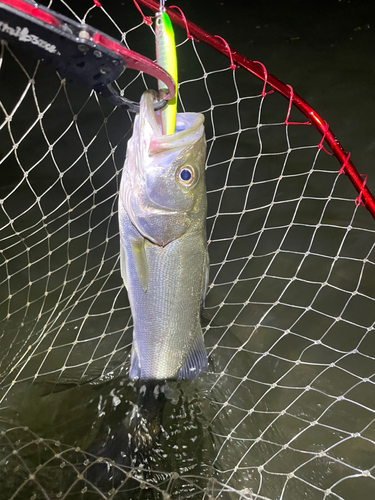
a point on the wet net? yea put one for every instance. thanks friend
(287, 410)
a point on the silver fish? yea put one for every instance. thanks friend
(163, 248)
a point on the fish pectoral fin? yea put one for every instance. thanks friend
(196, 361)
(140, 261)
(206, 280)
(123, 266)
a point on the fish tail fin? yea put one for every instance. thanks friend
(196, 361)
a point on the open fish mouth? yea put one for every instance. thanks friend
(189, 127)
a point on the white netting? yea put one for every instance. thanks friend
(287, 410)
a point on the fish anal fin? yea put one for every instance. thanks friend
(196, 362)
(135, 365)
(140, 261)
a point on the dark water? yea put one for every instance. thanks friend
(324, 49)
(251, 423)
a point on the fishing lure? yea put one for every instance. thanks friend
(79, 52)
(166, 58)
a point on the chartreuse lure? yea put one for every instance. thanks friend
(166, 58)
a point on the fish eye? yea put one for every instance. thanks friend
(158, 21)
(186, 175)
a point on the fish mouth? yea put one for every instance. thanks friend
(147, 115)
(189, 127)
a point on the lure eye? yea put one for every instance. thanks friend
(186, 175)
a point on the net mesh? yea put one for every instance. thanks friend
(287, 410)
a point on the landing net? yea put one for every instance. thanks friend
(287, 410)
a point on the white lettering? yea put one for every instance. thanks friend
(24, 35)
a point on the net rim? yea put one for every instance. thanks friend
(259, 70)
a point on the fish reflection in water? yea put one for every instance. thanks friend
(130, 444)
(165, 430)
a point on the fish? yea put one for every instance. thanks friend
(166, 57)
(163, 245)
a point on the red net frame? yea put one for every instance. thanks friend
(259, 70)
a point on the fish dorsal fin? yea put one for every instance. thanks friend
(123, 266)
(196, 361)
(140, 260)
